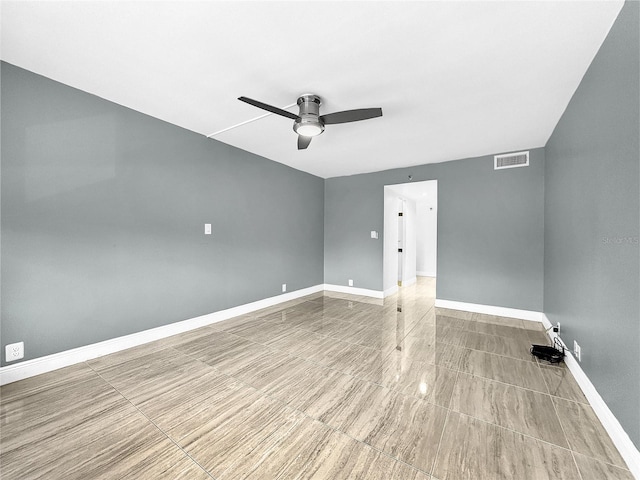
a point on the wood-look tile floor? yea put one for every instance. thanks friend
(335, 387)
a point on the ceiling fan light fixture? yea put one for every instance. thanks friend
(308, 129)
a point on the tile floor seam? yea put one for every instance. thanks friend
(152, 422)
(309, 331)
(444, 427)
(521, 331)
(314, 362)
(415, 324)
(506, 337)
(516, 431)
(334, 338)
(233, 378)
(494, 353)
(597, 460)
(564, 432)
(352, 375)
(276, 399)
(530, 436)
(498, 355)
(604, 462)
(600, 460)
(586, 402)
(514, 386)
(319, 365)
(284, 404)
(346, 341)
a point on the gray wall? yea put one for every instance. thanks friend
(103, 213)
(490, 230)
(591, 222)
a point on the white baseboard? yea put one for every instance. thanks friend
(411, 281)
(37, 366)
(425, 273)
(490, 310)
(354, 290)
(620, 438)
(390, 291)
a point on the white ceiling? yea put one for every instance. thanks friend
(454, 79)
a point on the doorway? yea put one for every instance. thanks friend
(410, 233)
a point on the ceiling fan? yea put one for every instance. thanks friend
(309, 123)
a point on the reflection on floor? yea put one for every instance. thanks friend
(321, 387)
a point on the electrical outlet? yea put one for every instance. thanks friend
(284, 287)
(350, 283)
(14, 351)
(577, 351)
(207, 229)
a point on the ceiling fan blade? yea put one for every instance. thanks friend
(303, 142)
(351, 115)
(268, 108)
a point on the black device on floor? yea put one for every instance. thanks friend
(551, 353)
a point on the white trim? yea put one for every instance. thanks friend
(390, 291)
(620, 438)
(37, 366)
(490, 310)
(411, 281)
(354, 290)
(425, 274)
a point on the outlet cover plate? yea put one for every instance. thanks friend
(14, 351)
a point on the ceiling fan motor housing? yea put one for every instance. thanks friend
(309, 117)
